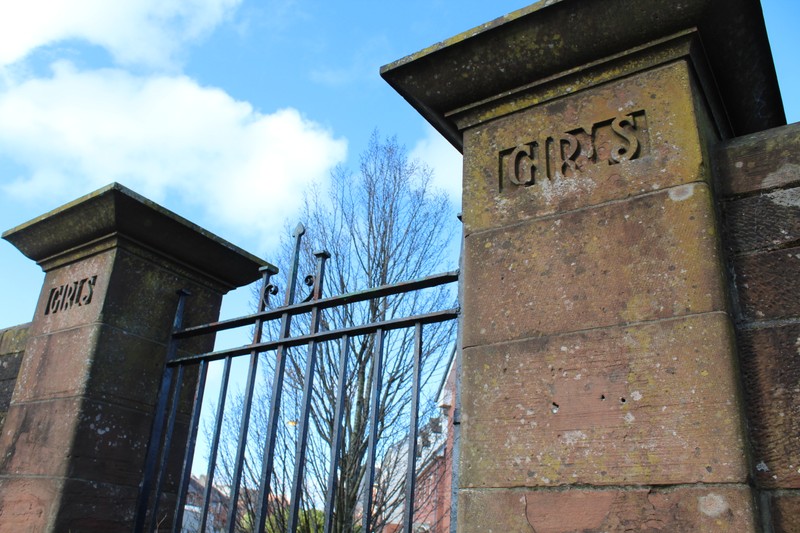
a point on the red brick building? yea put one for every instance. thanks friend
(432, 499)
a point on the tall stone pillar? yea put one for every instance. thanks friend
(600, 389)
(74, 441)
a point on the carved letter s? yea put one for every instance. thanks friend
(625, 153)
(87, 298)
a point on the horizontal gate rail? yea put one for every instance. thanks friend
(324, 303)
(334, 334)
(162, 436)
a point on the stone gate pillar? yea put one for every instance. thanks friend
(73, 445)
(600, 389)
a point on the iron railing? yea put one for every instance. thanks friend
(167, 409)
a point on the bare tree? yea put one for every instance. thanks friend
(383, 224)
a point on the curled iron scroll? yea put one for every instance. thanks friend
(309, 281)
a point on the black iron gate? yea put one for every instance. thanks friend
(163, 444)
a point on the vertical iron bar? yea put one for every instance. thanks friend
(153, 450)
(162, 469)
(377, 385)
(151, 458)
(412, 433)
(336, 443)
(188, 457)
(212, 456)
(456, 449)
(308, 382)
(267, 460)
(244, 425)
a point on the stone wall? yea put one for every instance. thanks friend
(760, 191)
(12, 349)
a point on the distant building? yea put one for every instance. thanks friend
(217, 508)
(433, 492)
(433, 496)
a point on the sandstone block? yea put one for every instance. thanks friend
(653, 403)
(762, 160)
(696, 509)
(610, 142)
(770, 362)
(647, 258)
(768, 284)
(73, 295)
(34, 437)
(785, 511)
(767, 221)
(97, 506)
(57, 365)
(27, 503)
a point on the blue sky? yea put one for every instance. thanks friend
(222, 110)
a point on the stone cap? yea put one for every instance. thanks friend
(554, 36)
(116, 210)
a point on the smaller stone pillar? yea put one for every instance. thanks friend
(73, 445)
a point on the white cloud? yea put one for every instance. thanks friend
(446, 161)
(162, 136)
(135, 32)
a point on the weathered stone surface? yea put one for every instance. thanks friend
(83, 499)
(635, 136)
(149, 311)
(127, 370)
(770, 362)
(131, 371)
(647, 404)
(56, 365)
(760, 161)
(12, 348)
(36, 438)
(13, 340)
(767, 221)
(111, 401)
(648, 258)
(9, 367)
(73, 295)
(768, 284)
(26, 504)
(110, 444)
(696, 509)
(6, 390)
(105, 279)
(785, 511)
(107, 441)
(26, 497)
